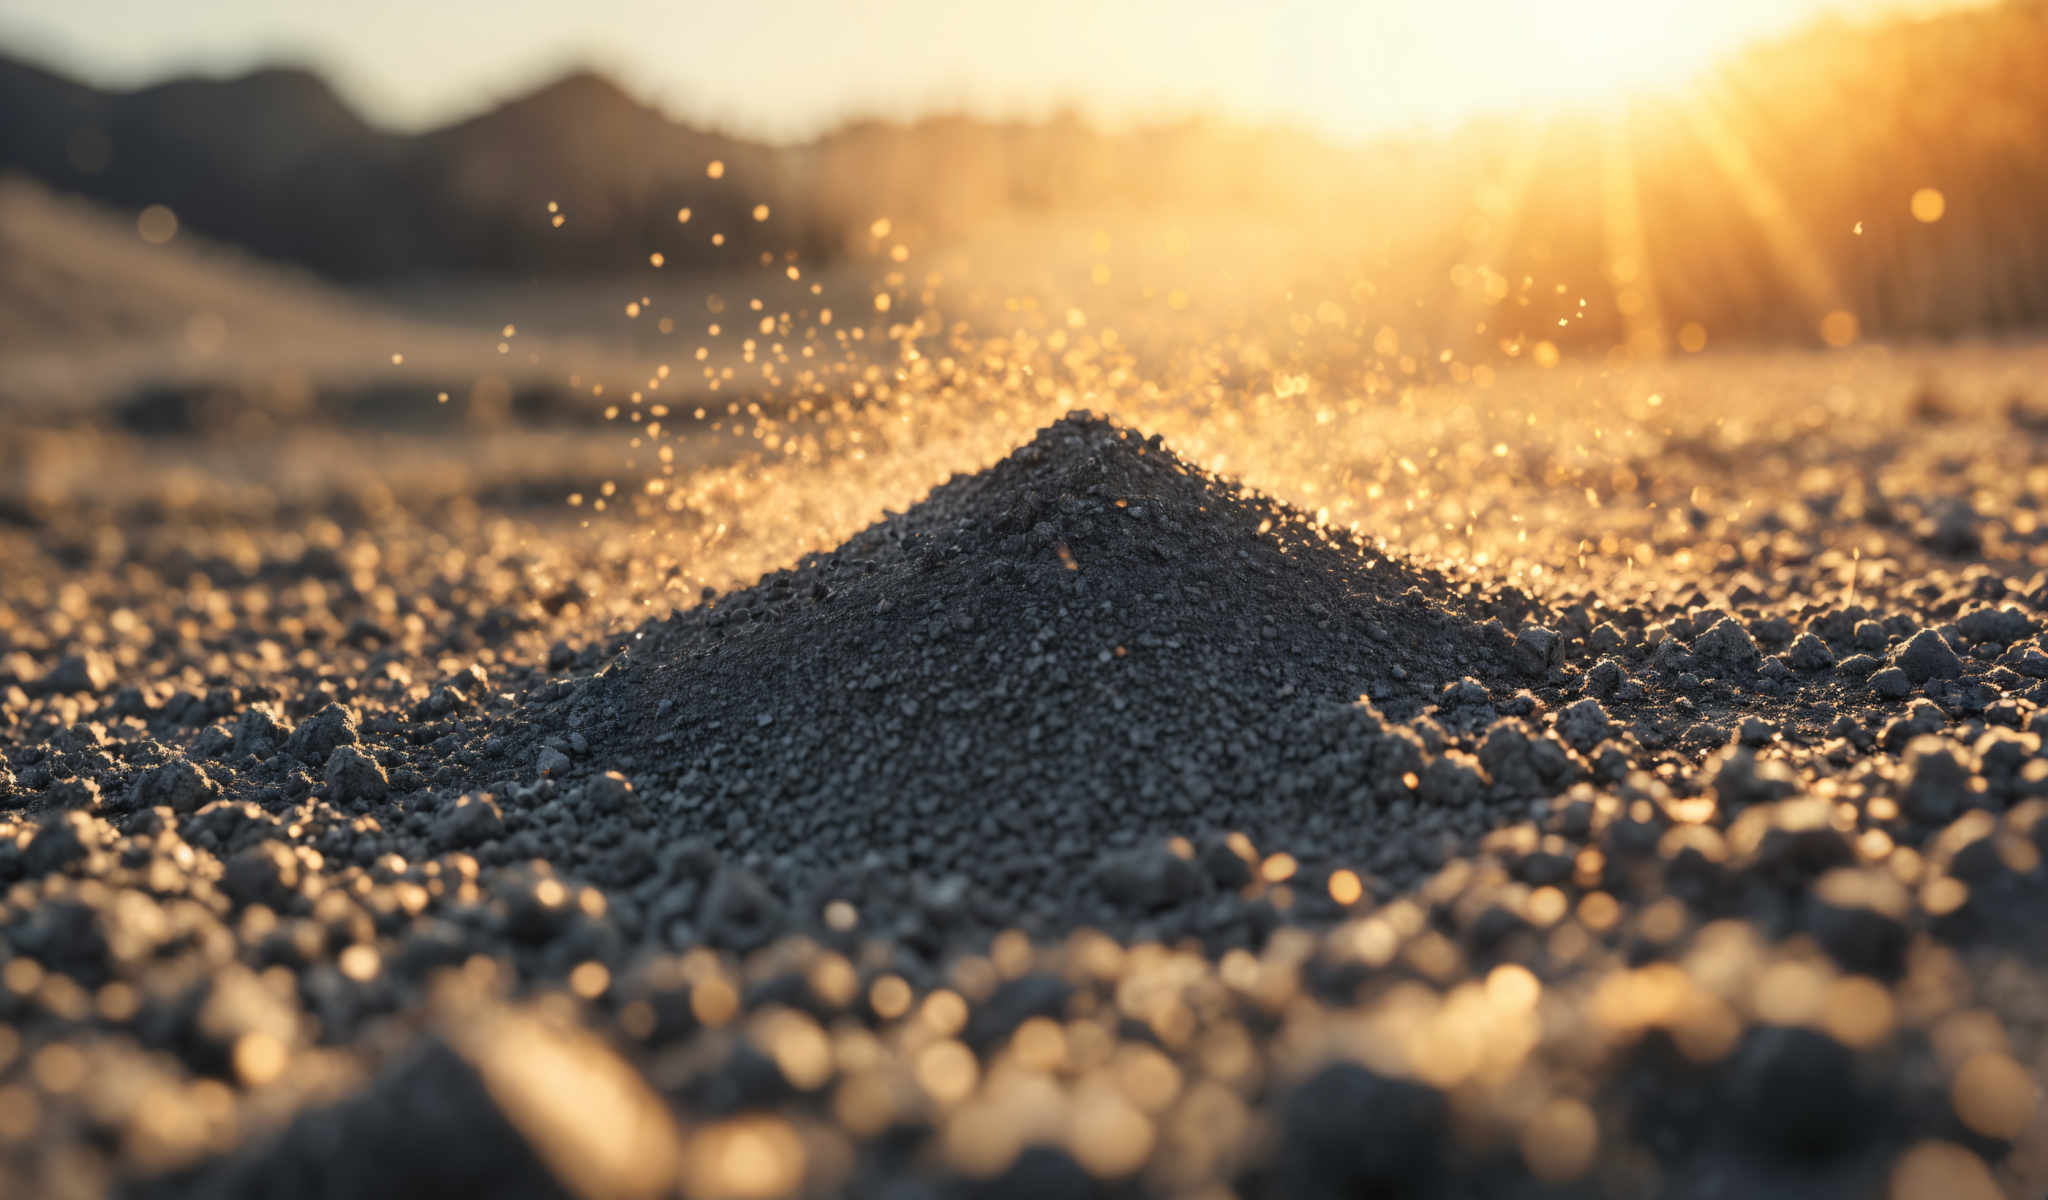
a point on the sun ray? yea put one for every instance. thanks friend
(1792, 249)
(1629, 268)
(1499, 207)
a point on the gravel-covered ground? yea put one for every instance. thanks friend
(1607, 783)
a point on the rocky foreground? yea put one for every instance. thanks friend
(1097, 826)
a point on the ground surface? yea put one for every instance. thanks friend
(1286, 777)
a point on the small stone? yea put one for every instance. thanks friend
(74, 793)
(354, 778)
(266, 873)
(1858, 916)
(1938, 782)
(1999, 626)
(739, 912)
(1796, 1090)
(1927, 656)
(1225, 867)
(610, 792)
(1583, 725)
(1466, 692)
(1891, 683)
(89, 671)
(258, 731)
(1347, 1131)
(1727, 646)
(64, 839)
(318, 735)
(1605, 678)
(178, 785)
(538, 906)
(1150, 878)
(472, 820)
(1955, 528)
(1537, 650)
(1808, 653)
(212, 742)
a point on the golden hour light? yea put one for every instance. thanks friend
(1577, 49)
(1162, 599)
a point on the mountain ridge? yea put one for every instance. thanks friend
(279, 162)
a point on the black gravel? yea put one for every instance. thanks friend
(1097, 826)
(1089, 646)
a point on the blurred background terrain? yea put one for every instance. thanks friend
(240, 289)
(1779, 190)
(256, 278)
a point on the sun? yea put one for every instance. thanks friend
(1590, 49)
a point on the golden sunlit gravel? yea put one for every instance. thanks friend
(1033, 717)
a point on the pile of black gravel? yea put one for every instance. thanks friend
(1091, 644)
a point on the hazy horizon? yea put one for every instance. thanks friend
(789, 70)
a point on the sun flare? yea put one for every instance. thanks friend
(1590, 49)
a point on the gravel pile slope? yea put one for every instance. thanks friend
(1090, 641)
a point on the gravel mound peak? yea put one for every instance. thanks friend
(1092, 640)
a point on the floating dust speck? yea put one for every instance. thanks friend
(157, 224)
(1928, 205)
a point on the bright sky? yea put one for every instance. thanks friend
(789, 68)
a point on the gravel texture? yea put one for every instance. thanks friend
(1095, 825)
(1048, 667)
